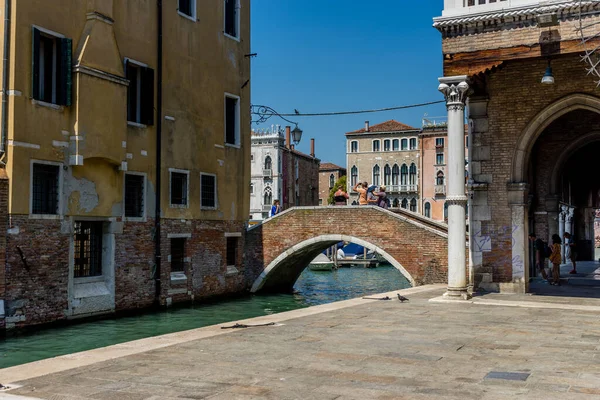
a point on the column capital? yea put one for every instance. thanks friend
(457, 199)
(455, 90)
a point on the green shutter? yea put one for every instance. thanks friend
(147, 94)
(66, 80)
(35, 64)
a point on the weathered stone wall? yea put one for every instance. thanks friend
(415, 242)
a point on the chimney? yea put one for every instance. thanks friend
(288, 136)
(312, 147)
(366, 126)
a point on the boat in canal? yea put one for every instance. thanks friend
(321, 263)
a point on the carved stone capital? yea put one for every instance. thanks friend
(456, 200)
(455, 90)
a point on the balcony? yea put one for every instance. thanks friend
(440, 190)
(403, 188)
(268, 173)
(463, 7)
(266, 208)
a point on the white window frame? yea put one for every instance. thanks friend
(357, 147)
(144, 216)
(378, 145)
(416, 144)
(389, 143)
(59, 212)
(237, 144)
(187, 197)
(216, 207)
(194, 11)
(238, 7)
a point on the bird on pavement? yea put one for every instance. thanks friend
(402, 298)
(296, 111)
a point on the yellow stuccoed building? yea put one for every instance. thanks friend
(85, 102)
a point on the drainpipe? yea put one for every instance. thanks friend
(6, 51)
(157, 255)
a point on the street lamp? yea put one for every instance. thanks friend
(263, 113)
(548, 78)
(296, 135)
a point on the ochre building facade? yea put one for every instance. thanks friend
(80, 154)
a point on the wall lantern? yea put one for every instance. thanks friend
(548, 78)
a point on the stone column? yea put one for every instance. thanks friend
(455, 91)
(561, 229)
(518, 200)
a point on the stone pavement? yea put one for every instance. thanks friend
(357, 349)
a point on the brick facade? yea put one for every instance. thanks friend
(416, 243)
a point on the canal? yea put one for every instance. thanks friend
(312, 288)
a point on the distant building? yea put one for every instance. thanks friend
(328, 174)
(279, 172)
(386, 154)
(434, 144)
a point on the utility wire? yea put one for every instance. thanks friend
(361, 111)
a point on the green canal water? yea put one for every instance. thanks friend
(312, 288)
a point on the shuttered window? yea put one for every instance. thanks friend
(134, 196)
(208, 191)
(51, 68)
(140, 93)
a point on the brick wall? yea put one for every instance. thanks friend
(423, 253)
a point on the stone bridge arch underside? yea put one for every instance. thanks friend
(278, 250)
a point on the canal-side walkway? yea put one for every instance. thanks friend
(355, 349)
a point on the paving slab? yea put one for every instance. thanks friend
(358, 349)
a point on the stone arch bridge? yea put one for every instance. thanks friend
(278, 250)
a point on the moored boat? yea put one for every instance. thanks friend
(321, 263)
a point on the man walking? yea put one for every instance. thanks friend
(540, 254)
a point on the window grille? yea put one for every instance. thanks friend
(134, 195)
(208, 189)
(179, 183)
(45, 189)
(178, 255)
(88, 249)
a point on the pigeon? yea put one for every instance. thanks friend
(401, 298)
(296, 111)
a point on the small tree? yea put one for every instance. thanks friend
(340, 182)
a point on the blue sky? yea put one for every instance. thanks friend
(339, 55)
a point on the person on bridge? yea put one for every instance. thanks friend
(382, 200)
(275, 208)
(555, 259)
(361, 188)
(340, 197)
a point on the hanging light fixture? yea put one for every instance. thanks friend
(296, 135)
(548, 78)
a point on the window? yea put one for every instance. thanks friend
(232, 244)
(445, 211)
(87, 254)
(387, 172)
(187, 8)
(439, 158)
(395, 174)
(140, 93)
(353, 176)
(251, 157)
(413, 143)
(268, 163)
(376, 144)
(232, 21)
(179, 188)
(252, 188)
(51, 77)
(404, 203)
(354, 146)
(395, 145)
(331, 181)
(439, 142)
(396, 203)
(320, 202)
(412, 174)
(45, 189)
(386, 145)
(208, 191)
(376, 171)
(232, 120)
(268, 197)
(404, 175)
(428, 210)
(413, 205)
(134, 195)
(404, 144)
(439, 179)
(178, 255)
